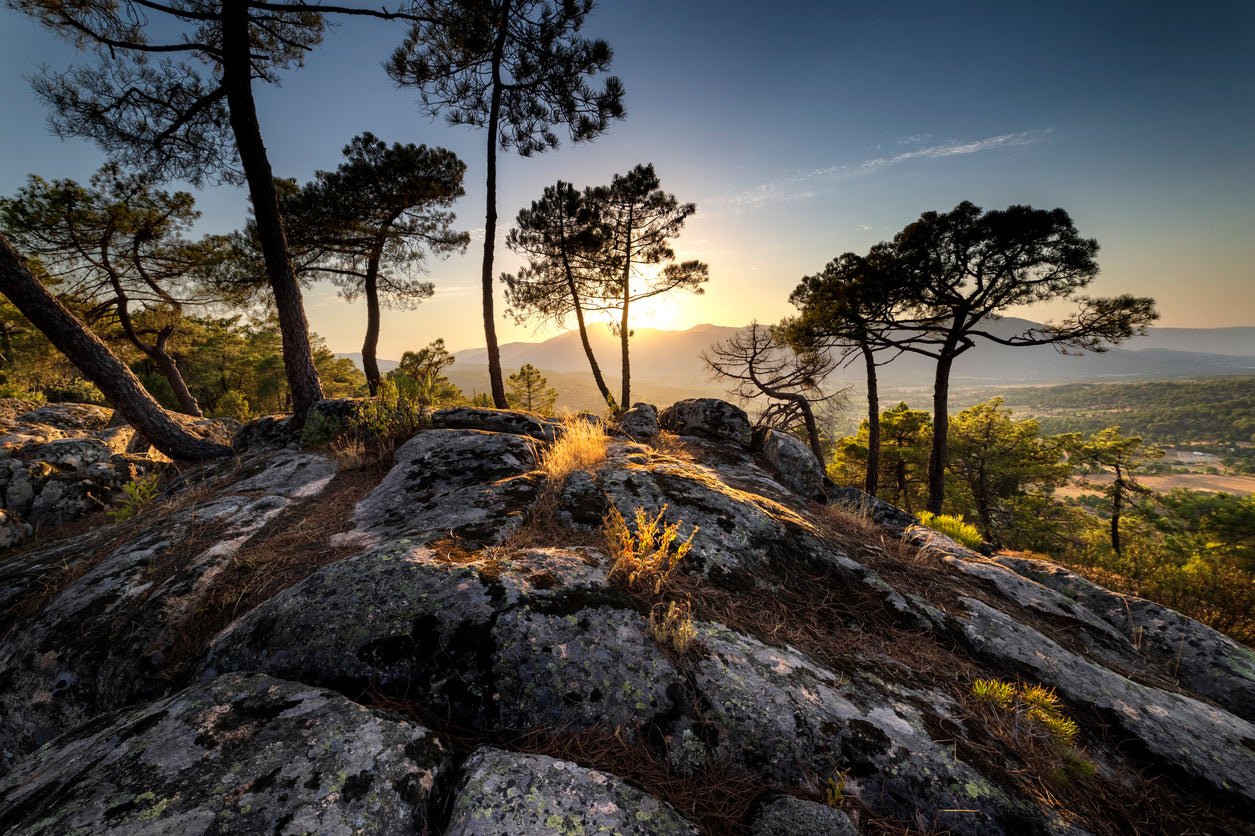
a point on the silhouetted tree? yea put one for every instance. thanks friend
(965, 267)
(95, 360)
(851, 305)
(519, 69)
(761, 364)
(172, 94)
(368, 225)
(529, 389)
(117, 247)
(560, 236)
(641, 220)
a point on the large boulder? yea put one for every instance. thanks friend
(640, 422)
(793, 462)
(242, 754)
(495, 421)
(500, 640)
(1208, 662)
(80, 417)
(794, 817)
(708, 418)
(116, 603)
(466, 483)
(1205, 744)
(508, 794)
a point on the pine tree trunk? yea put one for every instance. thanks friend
(584, 341)
(812, 430)
(495, 380)
(170, 371)
(941, 430)
(626, 366)
(370, 363)
(872, 480)
(1117, 504)
(101, 367)
(298, 359)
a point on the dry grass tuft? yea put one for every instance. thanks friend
(671, 625)
(582, 445)
(644, 558)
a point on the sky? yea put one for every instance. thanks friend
(803, 130)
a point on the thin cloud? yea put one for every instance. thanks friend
(452, 291)
(958, 149)
(913, 139)
(802, 185)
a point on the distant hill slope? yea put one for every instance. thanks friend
(666, 362)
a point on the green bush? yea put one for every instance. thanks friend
(137, 495)
(956, 528)
(320, 430)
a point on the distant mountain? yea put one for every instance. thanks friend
(675, 356)
(385, 366)
(1234, 341)
(656, 354)
(667, 365)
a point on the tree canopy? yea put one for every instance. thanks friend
(561, 235)
(369, 224)
(519, 69)
(116, 247)
(641, 219)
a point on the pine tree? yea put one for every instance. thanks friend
(528, 389)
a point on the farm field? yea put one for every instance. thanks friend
(1216, 483)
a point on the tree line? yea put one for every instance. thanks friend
(933, 290)
(1191, 550)
(170, 95)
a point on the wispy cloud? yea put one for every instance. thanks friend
(913, 139)
(778, 192)
(806, 184)
(452, 291)
(958, 149)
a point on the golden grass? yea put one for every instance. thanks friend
(644, 559)
(671, 625)
(582, 445)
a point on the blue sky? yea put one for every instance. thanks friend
(803, 130)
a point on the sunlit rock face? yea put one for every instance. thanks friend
(466, 653)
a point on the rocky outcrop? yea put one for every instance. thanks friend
(793, 463)
(640, 423)
(825, 660)
(122, 598)
(708, 418)
(1207, 662)
(60, 462)
(242, 754)
(508, 794)
(495, 421)
(470, 484)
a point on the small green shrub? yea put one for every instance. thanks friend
(956, 528)
(1036, 704)
(16, 390)
(137, 495)
(320, 430)
(233, 404)
(834, 789)
(380, 424)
